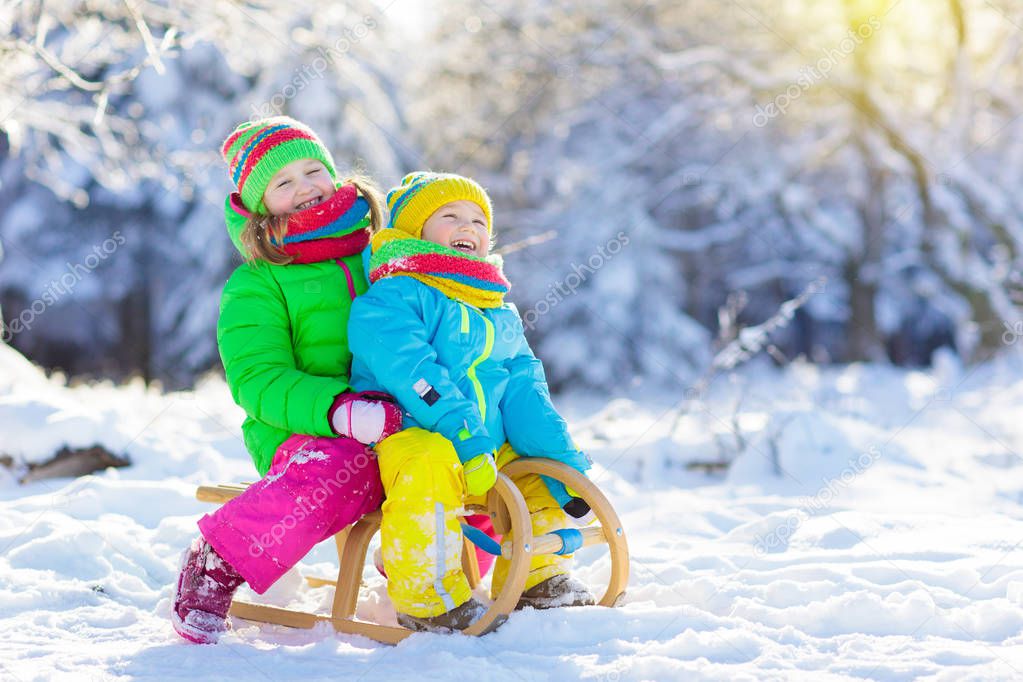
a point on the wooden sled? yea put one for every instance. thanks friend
(508, 512)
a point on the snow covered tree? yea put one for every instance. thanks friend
(752, 146)
(119, 109)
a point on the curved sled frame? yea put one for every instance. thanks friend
(610, 530)
(509, 513)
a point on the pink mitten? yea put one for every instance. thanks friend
(368, 417)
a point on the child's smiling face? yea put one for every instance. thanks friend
(460, 225)
(300, 185)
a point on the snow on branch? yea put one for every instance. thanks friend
(748, 341)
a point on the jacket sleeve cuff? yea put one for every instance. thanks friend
(467, 444)
(339, 400)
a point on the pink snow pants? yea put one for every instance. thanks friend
(485, 560)
(315, 487)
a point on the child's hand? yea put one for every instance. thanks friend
(368, 417)
(480, 474)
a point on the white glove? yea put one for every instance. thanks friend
(364, 417)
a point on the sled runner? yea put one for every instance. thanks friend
(507, 510)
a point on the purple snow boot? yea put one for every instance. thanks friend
(203, 596)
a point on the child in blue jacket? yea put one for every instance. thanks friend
(434, 331)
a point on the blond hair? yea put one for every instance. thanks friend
(259, 229)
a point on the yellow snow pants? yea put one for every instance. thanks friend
(421, 535)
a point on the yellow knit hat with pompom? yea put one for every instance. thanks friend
(421, 193)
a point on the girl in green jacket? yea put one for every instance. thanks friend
(283, 341)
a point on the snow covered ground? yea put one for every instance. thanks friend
(868, 529)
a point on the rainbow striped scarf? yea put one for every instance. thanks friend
(470, 279)
(337, 227)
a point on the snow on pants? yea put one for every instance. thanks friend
(420, 534)
(315, 487)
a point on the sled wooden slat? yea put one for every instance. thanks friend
(219, 494)
(551, 543)
(351, 551)
(272, 614)
(386, 634)
(470, 564)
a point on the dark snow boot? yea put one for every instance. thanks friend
(457, 618)
(203, 595)
(558, 590)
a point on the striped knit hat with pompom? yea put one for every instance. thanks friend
(256, 150)
(422, 193)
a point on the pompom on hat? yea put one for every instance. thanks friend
(420, 194)
(256, 150)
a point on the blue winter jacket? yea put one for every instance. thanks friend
(452, 366)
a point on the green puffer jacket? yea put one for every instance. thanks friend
(282, 335)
